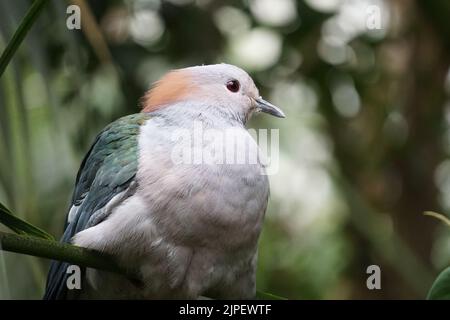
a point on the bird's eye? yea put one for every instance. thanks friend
(233, 85)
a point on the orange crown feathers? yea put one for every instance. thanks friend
(171, 88)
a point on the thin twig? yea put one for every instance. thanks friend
(93, 32)
(438, 216)
(20, 33)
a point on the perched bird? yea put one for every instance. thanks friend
(186, 229)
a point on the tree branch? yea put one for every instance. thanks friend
(76, 255)
(59, 251)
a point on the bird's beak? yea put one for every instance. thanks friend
(266, 107)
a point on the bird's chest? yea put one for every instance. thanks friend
(210, 192)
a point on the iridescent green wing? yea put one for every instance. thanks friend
(107, 170)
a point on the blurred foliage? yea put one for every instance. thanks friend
(19, 226)
(441, 287)
(364, 147)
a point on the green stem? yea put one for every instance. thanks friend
(20, 33)
(59, 251)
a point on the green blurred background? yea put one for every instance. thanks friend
(365, 146)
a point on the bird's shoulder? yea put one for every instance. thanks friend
(108, 167)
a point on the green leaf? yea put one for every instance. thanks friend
(268, 296)
(20, 226)
(440, 290)
(20, 33)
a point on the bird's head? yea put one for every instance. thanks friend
(221, 86)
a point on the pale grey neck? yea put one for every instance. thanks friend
(182, 114)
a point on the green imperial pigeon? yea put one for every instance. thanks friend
(161, 191)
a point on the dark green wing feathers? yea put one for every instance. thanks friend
(107, 170)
